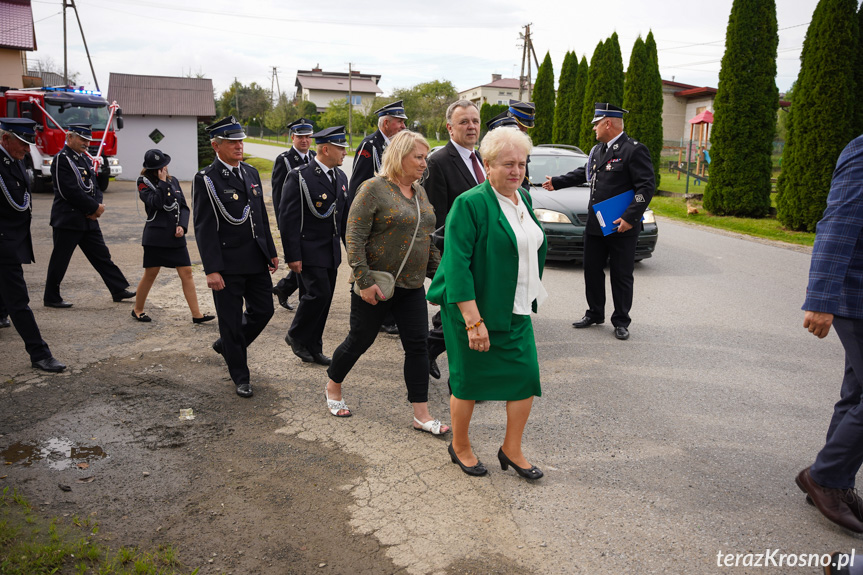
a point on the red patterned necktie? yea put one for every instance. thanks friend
(477, 170)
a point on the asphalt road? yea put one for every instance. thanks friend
(659, 452)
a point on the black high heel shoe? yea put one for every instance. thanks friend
(477, 470)
(533, 473)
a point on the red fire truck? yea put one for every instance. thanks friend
(63, 105)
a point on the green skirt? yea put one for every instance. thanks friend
(508, 371)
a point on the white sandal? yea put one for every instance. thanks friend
(432, 426)
(336, 406)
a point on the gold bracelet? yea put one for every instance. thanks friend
(477, 324)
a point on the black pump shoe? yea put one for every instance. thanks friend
(204, 318)
(477, 470)
(533, 473)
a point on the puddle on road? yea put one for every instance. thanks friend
(59, 452)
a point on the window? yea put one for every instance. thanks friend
(355, 100)
(10, 108)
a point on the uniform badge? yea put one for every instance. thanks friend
(318, 204)
(639, 198)
(6, 160)
(225, 172)
(365, 154)
(169, 194)
(323, 196)
(614, 147)
(343, 187)
(608, 167)
(236, 197)
(254, 191)
(318, 170)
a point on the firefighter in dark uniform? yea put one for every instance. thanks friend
(312, 217)
(298, 155)
(74, 216)
(524, 114)
(236, 247)
(367, 162)
(616, 165)
(16, 245)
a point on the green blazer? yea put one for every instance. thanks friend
(480, 258)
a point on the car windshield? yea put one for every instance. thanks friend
(542, 165)
(77, 114)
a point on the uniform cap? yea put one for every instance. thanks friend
(334, 135)
(523, 112)
(83, 130)
(156, 159)
(501, 120)
(396, 110)
(301, 127)
(227, 129)
(22, 128)
(605, 110)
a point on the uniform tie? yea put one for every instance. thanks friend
(604, 148)
(236, 171)
(332, 175)
(477, 170)
(305, 160)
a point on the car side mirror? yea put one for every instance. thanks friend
(119, 122)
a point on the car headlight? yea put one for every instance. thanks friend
(46, 162)
(649, 217)
(551, 217)
(112, 161)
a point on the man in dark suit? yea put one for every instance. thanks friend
(312, 216)
(616, 165)
(16, 245)
(75, 218)
(367, 162)
(298, 155)
(236, 247)
(452, 170)
(834, 297)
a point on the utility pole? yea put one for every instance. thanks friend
(71, 4)
(236, 95)
(524, 83)
(350, 105)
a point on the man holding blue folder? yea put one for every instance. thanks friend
(621, 179)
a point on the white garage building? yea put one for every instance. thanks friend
(161, 112)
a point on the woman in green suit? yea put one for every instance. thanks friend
(487, 285)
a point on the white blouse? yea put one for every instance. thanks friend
(528, 237)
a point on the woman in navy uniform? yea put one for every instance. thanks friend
(298, 155)
(164, 237)
(236, 247)
(16, 245)
(75, 218)
(312, 219)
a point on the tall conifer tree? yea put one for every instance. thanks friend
(821, 120)
(575, 107)
(605, 85)
(745, 113)
(543, 99)
(653, 137)
(565, 94)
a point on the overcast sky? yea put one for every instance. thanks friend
(464, 41)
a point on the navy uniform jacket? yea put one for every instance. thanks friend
(166, 209)
(286, 162)
(306, 237)
(625, 166)
(76, 194)
(367, 161)
(16, 245)
(446, 178)
(219, 199)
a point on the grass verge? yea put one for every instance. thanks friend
(31, 545)
(264, 167)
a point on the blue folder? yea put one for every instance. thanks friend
(609, 210)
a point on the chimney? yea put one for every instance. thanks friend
(495, 77)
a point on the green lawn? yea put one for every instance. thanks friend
(264, 167)
(675, 208)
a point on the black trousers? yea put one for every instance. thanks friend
(16, 300)
(409, 308)
(238, 328)
(437, 345)
(840, 459)
(317, 286)
(288, 284)
(619, 252)
(93, 245)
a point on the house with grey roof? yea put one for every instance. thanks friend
(161, 112)
(321, 88)
(17, 37)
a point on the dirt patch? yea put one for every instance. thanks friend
(232, 495)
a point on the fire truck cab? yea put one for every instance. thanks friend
(64, 105)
